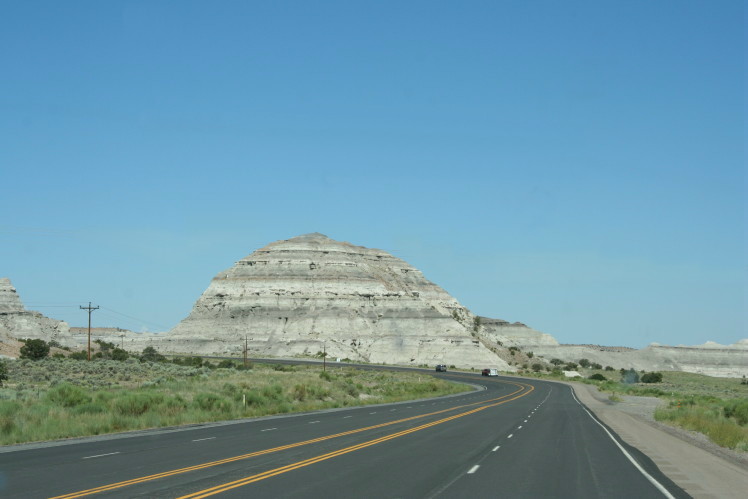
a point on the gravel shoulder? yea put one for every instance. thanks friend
(700, 467)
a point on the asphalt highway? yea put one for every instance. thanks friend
(511, 438)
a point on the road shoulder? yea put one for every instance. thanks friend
(701, 473)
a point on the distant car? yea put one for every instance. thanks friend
(489, 372)
(441, 368)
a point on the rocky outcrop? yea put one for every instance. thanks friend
(729, 361)
(310, 294)
(514, 334)
(21, 323)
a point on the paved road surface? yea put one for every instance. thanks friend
(512, 438)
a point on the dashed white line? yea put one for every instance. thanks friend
(269, 429)
(496, 448)
(201, 439)
(345, 417)
(510, 435)
(393, 410)
(473, 469)
(312, 422)
(373, 412)
(525, 421)
(101, 455)
(519, 427)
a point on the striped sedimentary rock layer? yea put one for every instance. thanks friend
(17, 322)
(311, 294)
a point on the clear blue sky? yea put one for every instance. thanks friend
(577, 166)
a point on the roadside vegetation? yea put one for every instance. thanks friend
(716, 407)
(54, 398)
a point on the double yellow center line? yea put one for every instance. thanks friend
(521, 392)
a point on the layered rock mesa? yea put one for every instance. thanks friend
(17, 322)
(310, 294)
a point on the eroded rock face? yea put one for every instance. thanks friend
(310, 293)
(514, 333)
(21, 323)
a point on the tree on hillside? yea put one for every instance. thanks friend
(652, 378)
(34, 349)
(151, 355)
(557, 362)
(3, 372)
(629, 377)
(584, 362)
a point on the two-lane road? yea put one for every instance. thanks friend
(515, 438)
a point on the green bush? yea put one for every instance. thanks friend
(598, 377)
(81, 355)
(151, 355)
(66, 395)
(3, 372)
(738, 410)
(584, 362)
(651, 378)
(120, 354)
(34, 349)
(629, 376)
(135, 404)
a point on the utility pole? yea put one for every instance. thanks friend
(324, 356)
(246, 347)
(90, 309)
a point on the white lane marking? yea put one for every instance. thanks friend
(269, 429)
(373, 412)
(519, 427)
(473, 469)
(510, 435)
(393, 410)
(312, 422)
(345, 417)
(649, 477)
(525, 421)
(100, 455)
(201, 439)
(496, 448)
(409, 407)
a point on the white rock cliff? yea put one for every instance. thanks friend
(311, 294)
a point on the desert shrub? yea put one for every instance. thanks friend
(609, 368)
(135, 404)
(299, 392)
(89, 408)
(3, 372)
(738, 410)
(629, 376)
(120, 355)
(651, 378)
(570, 366)
(273, 392)
(151, 355)
(537, 367)
(595, 365)
(81, 355)
(34, 349)
(584, 363)
(67, 395)
(598, 377)
(227, 364)
(325, 375)
(557, 362)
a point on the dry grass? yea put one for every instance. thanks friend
(60, 398)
